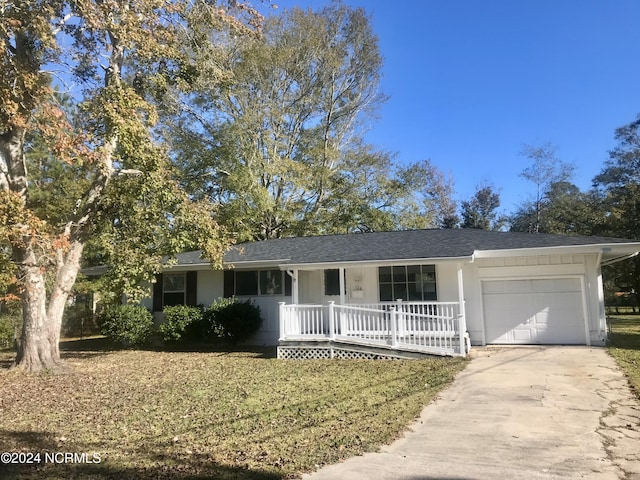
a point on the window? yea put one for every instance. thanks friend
(271, 282)
(173, 289)
(246, 283)
(412, 282)
(256, 283)
(332, 282)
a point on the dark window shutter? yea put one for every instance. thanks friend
(332, 281)
(192, 289)
(157, 294)
(228, 290)
(287, 284)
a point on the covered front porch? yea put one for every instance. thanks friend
(436, 328)
(354, 312)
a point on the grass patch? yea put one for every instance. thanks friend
(624, 340)
(196, 415)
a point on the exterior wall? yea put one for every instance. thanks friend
(270, 330)
(210, 286)
(362, 285)
(364, 279)
(358, 279)
(310, 286)
(447, 282)
(543, 266)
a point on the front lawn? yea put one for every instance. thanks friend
(226, 415)
(624, 342)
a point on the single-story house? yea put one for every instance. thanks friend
(420, 290)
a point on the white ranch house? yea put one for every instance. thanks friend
(422, 291)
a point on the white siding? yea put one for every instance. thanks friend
(210, 286)
(534, 267)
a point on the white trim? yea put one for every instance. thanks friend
(295, 295)
(585, 306)
(611, 261)
(377, 263)
(607, 248)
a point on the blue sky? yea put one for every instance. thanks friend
(471, 81)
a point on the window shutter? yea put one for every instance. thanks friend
(287, 284)
(157, 294)
(228, 289)
(191, 296)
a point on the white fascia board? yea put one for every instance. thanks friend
(376, 263)
(606, 249)
(187, 267)
(255, 264)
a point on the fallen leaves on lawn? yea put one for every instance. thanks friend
(215, 415)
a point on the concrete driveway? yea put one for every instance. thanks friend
(523, 413)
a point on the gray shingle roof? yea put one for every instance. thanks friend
(396, 245)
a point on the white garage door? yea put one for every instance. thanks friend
(535, 311)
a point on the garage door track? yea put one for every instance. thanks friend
(525, 412)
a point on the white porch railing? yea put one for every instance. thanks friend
(430, 327)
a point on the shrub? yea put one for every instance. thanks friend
(177, 320)
(234, 320)
(9, 324)
(127, 324)
(214, 329)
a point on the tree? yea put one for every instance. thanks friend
(480, 211)
(94, 171)
(545, 170)
(566, 209)
(277, 145)
(428, 198)
(618, 187)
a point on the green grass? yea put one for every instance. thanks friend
(624, 342)
(196, 415)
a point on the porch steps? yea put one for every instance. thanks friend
(301, 350)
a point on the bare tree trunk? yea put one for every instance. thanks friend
(39, 346)
(34, 347)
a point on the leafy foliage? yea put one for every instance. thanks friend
(80, 162)
(10, 324)
(234, 320)
(177, 321)
(544, 171)
(480, 211)
(618, 188)
(280, 146)
(127, 324)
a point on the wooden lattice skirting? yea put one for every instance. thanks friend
(327, 350)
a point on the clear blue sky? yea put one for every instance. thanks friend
(471, 81)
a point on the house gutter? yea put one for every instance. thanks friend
(611, 261)
(631, 249)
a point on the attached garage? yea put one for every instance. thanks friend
(535, 311)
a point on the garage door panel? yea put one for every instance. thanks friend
(534, 311)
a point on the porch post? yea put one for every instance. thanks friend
(281, 319)
(394, 326)
(401, 316)
(342, 286)
(462, 319)
(295, 295)
(332, 326)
